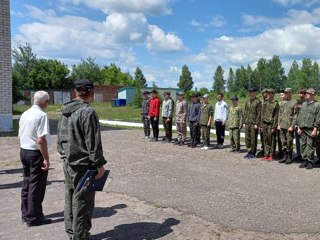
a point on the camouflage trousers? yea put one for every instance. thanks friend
(194, 132)
(297, 138)
(167, 124)
(286, 140)
(251, 138)
(146, 125)
(234, 138)
(307, 145)
(205, 132)
(181, 130)
(78, 206)
(279, 141)
(269, 139)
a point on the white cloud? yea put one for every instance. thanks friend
(158, 41)
(216, 21)
(307, 3)
(149, 7)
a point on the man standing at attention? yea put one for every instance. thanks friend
(220, 118)
(234, 124)
(181, 119)
(300, 101)
(269, 124)
(251, 122)
(206, 114)
(167, 113)
(308, 123)
(153, 114)
(144, 114)
(79, 144)
(286, 125)
(264, 94)
(34, 136)
(194, 119)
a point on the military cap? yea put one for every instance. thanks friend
(311, 91)
(195, 95)
(288, 90)
(205, 96)
(271, 90)
(198, 94)
(84, 85)
(166, 93)
(154, 91)
(180, 93)
(252, 89)
(302, 91)
(234, 98)
(145, 92)
(264, 90)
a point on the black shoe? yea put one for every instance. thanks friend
(181, 143)
(260, 154)
(297, 158)
(39, 223)
(289, 160)
(163, 139)
(309, 165)
(284, 159)
(233, 150)
(154, 140)
(304, 164)
(176, 142)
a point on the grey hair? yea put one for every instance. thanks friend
(40, 97)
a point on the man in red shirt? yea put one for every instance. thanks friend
(153, 115)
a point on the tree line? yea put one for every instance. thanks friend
(31, 72)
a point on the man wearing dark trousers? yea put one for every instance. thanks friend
(220, 118)
(34, 138)
(153, 115)
(194, 120)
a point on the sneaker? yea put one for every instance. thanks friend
(309, 165)
(205, 148)
(181, 143)
(250, 156)
(269, 159)
(247, 155)
(202, 148)
(154, 140)
(146, 137)
(233, 150)
(177, 142)
(39, 223)
(264, 158)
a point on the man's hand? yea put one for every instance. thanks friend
(243, 125)
(273, 130)
(299, 131)
(255, 126)
(314, 133)
(101, 171)
(155, 119)
(168, 119)
(45, 165)
(290, 129)
(279, 128)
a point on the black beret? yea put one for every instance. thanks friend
(84, 85)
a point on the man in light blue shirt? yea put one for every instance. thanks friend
(220, 118)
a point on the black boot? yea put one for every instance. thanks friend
(298, 158)
(290, 159)
(285, 157)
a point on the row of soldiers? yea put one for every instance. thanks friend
(276, 122)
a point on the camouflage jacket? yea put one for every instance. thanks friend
(286, 118)
(167, 108)
(270, 113)
(145, 107)
(181, 111)
(252, 112)
(309, 116)
(205, 112)
(79, 140)
(235, 117)
(297, 108)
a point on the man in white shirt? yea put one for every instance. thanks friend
(220, 118)
(34, 138)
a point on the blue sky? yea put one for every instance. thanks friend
(160, 36)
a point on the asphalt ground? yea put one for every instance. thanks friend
(161, 191)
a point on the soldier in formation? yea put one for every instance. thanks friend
(144, 114)
(206, 114)
(234, 124)
(181, 119)
(167, 114)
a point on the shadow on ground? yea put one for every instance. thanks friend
(139, 231)
(99, 212)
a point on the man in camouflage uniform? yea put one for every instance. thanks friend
(286, 122)
(167, 113)
(80, 147)
(194, 119)
(269, 122)
(205, 121)
(181, 119)
(264, 94)
(234, 124)
(300, 101)
(251, 122)
(278, 135)
(144, 114)
(308, 122)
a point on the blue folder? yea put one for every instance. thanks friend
(89, 184)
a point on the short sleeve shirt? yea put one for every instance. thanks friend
(33, 124)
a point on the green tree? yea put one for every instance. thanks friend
(185, 80)
(293, 77)
(306, 73)
(231, 81)
(218, 80)
(249, 76)
(50, 74)
(17, 95)
(275, 73)
(112, 75)
(87, 69)
(261, 74)
(24, 60)
(139, 79)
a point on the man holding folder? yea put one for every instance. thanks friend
(79, 143)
